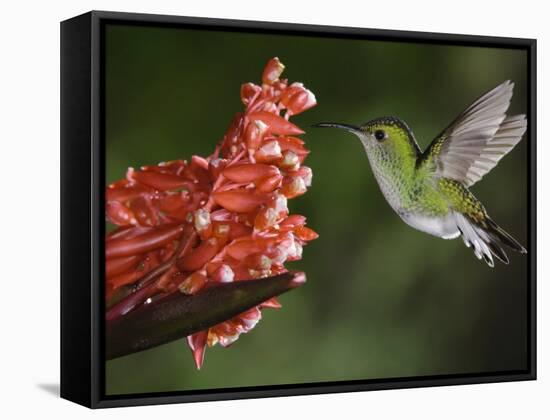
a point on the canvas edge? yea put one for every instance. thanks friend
(76, 245)
(532, 183)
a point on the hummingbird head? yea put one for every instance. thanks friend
(384, 137)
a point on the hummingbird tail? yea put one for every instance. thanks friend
(487, 239)
(504, 237)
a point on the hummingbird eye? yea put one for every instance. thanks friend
(379, 135)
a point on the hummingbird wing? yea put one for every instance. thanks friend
(477, 139)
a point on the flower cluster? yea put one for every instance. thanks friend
(184, 226)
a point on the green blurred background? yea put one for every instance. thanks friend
(382, 300)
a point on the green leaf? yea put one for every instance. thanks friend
(179, 315)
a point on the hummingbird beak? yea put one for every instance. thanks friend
(351, 128)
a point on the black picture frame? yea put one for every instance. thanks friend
(82, 204)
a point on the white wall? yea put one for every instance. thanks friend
(29, 133)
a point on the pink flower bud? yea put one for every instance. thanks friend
(119, 214)
(293, 187)
(125, 191)
(193, 283)
(290, 91)
(306, 174)
(278, 87)
(173, 201)
(272, 303)
(238, 230)
(127, 233)
(294, 144)
(270, 107)
(221, 231)
(142, 243)
(197, 344)
(280, 205)
(305, 234)
(240, 201)
(199, 162)
(290, 161)
(215, 167)
(198, 257)
(202, 223)
(242, 247)
(172, 166)
(198, 170)
(224, 274)
(265, 218)
(299, 279)
(226, 340)
(249, 319)
(235, 128)
(273, 69)
(248, 92)
(269, 184)
(299, 250)
(292, 247)
(115, 266)
(232, 135)
(301, 101)
(278, 255)
(249, 172)
(294, 221)
(124, 279)
(144, 211)
(157, 180)
(275, 123)
(253, 134)
(269, 152)
(258, 262)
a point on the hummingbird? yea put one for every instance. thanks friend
(429, 189)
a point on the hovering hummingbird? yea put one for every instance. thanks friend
(429, 190)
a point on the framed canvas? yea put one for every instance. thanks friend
(209, 167)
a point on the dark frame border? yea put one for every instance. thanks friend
(82, 199)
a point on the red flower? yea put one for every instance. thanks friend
(185, 226)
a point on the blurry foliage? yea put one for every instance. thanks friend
(382, 300)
